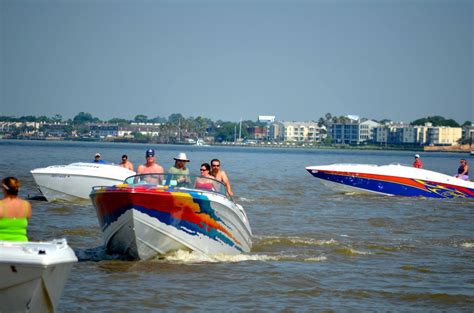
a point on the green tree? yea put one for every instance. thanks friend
(175, 118)
(57, 118)
(140, 118)
(435, 121)
(119, 121)
(83, 118)
(226, 132)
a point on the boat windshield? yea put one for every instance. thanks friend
(178, 181)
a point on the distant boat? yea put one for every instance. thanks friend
(392, 180)
(75, 181)
(201, 143)
(472, 153)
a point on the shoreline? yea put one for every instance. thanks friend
(455, 149)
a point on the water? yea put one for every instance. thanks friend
(314, 249)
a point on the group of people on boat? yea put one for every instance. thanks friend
(463, 169)
(179, 168)
(212, 171)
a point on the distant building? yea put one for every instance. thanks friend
(468, 133)
(104, 130)
(353, 131)
(266, 118)
(444, 135)
(301, 132)
(257, 132)
(427, 134)
(395, 134)
(146, 129)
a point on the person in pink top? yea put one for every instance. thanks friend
(417, 163)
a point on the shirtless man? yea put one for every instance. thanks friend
(126, 163)
(220, 175)
(150, 167)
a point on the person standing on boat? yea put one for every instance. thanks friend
(417, 163)
(463, 170)
(126, 163)
(180, 168)
(97, 159)
(220, 175)
(14, 212)
(150, 166)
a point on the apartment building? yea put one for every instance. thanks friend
(353, 131)
(296, 132)
(422, 135)
(444, 135)
(395, 134)
(146, 129)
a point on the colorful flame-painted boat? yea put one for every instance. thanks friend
(393, 180)
(152, 214)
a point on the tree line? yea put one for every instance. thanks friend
(176, 124)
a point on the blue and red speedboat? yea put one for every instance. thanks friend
(392, 180)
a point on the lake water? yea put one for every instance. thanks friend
(314, 249)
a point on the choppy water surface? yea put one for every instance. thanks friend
(314, 249)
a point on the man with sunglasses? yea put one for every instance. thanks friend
(180, 170)
(126, 163)
(150, 167)
(220, 175)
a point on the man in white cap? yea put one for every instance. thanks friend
(97, 159)
(417, 163)
(180, 168)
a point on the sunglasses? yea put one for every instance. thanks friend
(203, 169)
(215, 165)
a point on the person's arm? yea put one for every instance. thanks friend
(466, 170)
(226, 182)
(28, 209)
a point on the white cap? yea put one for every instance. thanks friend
(97, 154)
(181, 156)
(417, 155)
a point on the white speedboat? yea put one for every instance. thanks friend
(152, 214)
(33, 274)
(393, 180)
(75, 181)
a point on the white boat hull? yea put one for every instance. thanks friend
(75, 181)
(33, 275)
(144, 222)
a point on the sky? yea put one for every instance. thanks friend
(238, 59)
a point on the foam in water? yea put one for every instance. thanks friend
(468, 245)
(182, 256)
(294, 240)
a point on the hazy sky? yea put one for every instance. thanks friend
(230, 59)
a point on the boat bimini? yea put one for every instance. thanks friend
(33, 274)
(393, 180)
(75, 181)
(153, 214)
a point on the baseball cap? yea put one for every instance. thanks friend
(417, 155)
(150, 152)
(97, 154)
